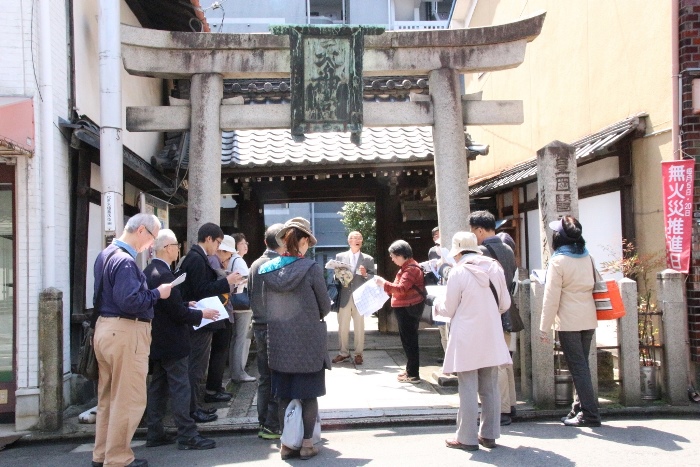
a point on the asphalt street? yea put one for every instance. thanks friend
(634, 442)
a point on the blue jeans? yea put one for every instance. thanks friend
(267, 404)
(576, 345)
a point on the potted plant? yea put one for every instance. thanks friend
(640, 267)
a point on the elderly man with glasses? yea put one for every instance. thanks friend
(122, 340)
(170, 350)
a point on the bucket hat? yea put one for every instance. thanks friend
(299, 223)
(228, 244)
(464, 241)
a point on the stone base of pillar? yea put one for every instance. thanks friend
(26, 409)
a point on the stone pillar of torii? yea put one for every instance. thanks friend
(206, 59)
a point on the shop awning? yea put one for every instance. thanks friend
(16, 126)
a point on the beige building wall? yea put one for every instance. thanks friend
(135, 90)
(595, 63)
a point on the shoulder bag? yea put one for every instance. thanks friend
(510, 320)
(240, 301)
(607, 298)
(87, 361)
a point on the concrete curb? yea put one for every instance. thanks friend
(344, 420)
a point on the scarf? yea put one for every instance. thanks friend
(569, 250)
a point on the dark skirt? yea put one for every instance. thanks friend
(298, 385)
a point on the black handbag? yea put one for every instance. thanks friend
(87, 360)
(240, 301)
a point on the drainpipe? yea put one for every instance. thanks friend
(46, 126)
(390, 13)
(111, 145)
(676, 84)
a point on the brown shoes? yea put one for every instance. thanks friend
(454, 444)
(288, 453)
(340, 358)
(308, 450)
(487, 442)
(358, 360)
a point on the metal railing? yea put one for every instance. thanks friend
(419, 25)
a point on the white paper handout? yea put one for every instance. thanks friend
(211, 302)
(538, 275)
(439, 292)
(445, 255)
(178, 280)
(369, 298)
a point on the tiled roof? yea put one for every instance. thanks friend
(593, 145)
(276, 148)
(375, 89)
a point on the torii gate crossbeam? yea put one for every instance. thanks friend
(207, 59)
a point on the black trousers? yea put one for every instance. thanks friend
(170, 379)
(199, 360)
(576, 345)
(268, 406)
(408, 331)
(220, 340)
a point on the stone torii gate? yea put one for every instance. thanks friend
(206, 59)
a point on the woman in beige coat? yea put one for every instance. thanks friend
(476, 346)
(568, 304)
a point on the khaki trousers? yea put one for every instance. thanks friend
(122, 347)
(506, 383)
(483, 382)
(358, 326)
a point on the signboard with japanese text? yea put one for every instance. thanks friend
(326, 77)
(110, 202)
(678, 183)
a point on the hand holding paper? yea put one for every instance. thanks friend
(369, 297)
(178, 280)
(213, 303)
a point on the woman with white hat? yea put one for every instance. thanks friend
(297, 302)
(476, 296)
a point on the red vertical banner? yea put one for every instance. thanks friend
(678, 181)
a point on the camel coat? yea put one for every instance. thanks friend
(476, 335)
(568, 295)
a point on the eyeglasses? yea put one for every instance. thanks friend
(172, 244)
(149, 232)
(218, 242)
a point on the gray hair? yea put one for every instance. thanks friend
(147, 220)
(165, 237)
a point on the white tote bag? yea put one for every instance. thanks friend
(293, 432)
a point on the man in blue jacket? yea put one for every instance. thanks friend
(122, 341)
(170, 350)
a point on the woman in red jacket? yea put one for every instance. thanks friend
(407, 301)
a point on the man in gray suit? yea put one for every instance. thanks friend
(362, 268)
